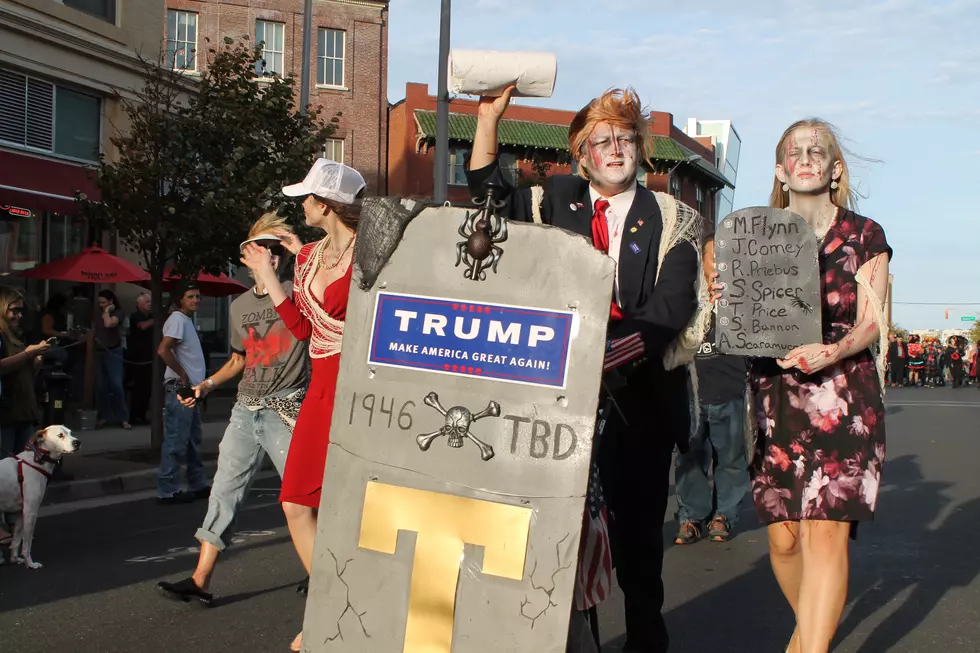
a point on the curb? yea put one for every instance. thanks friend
(125, 483)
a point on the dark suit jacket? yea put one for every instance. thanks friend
(658, 311)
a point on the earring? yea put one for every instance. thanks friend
(834, 185)
(785, 188)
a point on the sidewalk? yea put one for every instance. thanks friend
(115, 461)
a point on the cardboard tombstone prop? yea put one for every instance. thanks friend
(462, 433)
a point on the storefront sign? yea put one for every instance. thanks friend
(16, 211)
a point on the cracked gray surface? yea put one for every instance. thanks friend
(375, 586)
(349, 607)
(548, 592)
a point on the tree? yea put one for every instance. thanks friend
(540, 170)
(198, 163)
(974, 335)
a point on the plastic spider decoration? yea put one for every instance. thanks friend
(483, 231)
(802, 305)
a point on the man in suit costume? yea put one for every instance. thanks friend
(607, 139)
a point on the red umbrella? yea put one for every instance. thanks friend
(91, 265)
(209, 285)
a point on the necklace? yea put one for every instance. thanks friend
(340, 257)
(821, 231)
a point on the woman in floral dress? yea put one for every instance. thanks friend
(821, 416)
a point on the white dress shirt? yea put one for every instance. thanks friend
(619, 207)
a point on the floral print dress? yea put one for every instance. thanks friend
(822, 436)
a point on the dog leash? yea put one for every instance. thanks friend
(39, 457)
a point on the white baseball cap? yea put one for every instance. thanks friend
(330, 180)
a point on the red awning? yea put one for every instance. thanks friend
(40, 184)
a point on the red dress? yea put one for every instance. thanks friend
(302, 479)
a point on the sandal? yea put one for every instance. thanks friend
(689, 533)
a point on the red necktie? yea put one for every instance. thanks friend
(600, 230)
(600, 239)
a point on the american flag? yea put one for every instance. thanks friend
(594, 578)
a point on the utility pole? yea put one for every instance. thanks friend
(304, 74)
(441, 191)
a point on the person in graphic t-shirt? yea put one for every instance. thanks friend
(275, 372)
(721, 380)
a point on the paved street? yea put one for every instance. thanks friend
(914, 584)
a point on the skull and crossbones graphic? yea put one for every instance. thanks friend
(457, 426)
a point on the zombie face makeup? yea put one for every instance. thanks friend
(609, 157)
(808, 166)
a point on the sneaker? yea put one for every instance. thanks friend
(179, 497)
(718, 529)
(689, 532)
(185, 590)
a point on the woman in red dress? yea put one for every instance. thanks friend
(315, 312)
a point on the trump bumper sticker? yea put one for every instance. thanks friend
(491, 341)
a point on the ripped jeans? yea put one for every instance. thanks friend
(250, 434)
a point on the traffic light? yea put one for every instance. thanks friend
(947, 313)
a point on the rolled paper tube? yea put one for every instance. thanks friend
(488, 72)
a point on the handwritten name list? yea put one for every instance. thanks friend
(767, 259)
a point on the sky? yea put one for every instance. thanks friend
(899, 78)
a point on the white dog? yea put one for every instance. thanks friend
(23, 480)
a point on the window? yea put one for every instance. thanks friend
(182, 39)
(675, 186)
(39, 115)
(508, 166)
(20, 244)
(76, 126)
(457, 166)
(330, 57)
(700, 199)
(270, 37)
(104, 9)
(334, 150)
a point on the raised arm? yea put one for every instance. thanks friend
(490, 111)
(259, 261)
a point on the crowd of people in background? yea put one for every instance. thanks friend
(930, 363)
(38, 344)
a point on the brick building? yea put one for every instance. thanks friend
(64, 65)
(348, 55)
(534, 141)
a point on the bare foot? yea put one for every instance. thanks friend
(297, 644)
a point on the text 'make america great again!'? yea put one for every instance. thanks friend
(767, 259)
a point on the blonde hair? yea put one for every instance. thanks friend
(842, 196)
(269, 223)
(620, 108)
(8, 297)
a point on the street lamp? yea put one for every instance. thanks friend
(441, 180)
(670, 173)
(304, 70)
